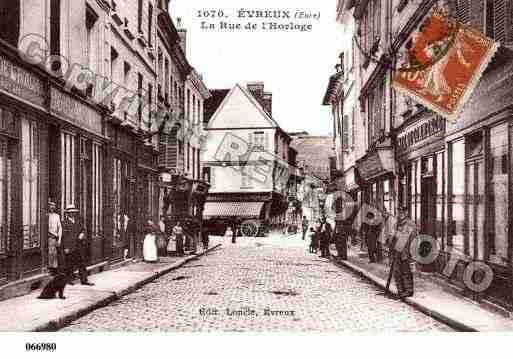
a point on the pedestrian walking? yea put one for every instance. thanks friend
(74, 245)
(325, 233)
(178, 233)
(387, 228)
(340, 234)
(371, 229)
(54, 239)
(304, 226)
(162, 237)
(204, 238)
(314, 243)
(150, 251)
(404, 233)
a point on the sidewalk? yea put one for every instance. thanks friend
(28, 313)
(433, 299)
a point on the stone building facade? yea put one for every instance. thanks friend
(79, 126)
(454, 176)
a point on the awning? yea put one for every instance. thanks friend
(233, 209)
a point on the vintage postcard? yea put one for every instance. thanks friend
(235, 168)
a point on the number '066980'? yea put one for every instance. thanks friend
(50, 347)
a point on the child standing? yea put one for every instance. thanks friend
(314, 241)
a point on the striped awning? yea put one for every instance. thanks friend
(233, 209)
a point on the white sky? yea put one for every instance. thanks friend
(295, 66)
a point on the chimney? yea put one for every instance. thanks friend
(264, 98)
(267, 102)
(182, 33)
(257, 90)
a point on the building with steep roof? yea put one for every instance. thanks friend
(246, 157)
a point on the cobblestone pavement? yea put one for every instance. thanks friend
(273, 283)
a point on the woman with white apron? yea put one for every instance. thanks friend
(150, 244)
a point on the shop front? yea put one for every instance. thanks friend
(479, 183)
(376, 171)
(225, 210)
(421, 175)
(52, 148)
(183, 200)
(147, 191)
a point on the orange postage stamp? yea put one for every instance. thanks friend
(447, 61)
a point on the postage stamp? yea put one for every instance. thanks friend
(447, 83)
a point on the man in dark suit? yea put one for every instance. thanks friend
(74, 245)
(304, 226)
(371, 229)
(325, 233)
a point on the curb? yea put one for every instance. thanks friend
(457, 325)
(61, 322)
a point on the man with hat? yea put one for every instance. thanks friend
(325, 232)
(74, 245)
(404, 233)
(54, 238)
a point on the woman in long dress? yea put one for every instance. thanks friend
(150, 244)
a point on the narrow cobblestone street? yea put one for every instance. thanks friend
(276, 285)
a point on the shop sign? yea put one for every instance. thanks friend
(423, 130)
(376, 163)
(21, 83)
(80, 114)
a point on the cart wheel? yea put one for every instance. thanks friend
(249, 228)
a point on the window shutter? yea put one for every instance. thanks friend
(266, 141)
(499, 20)
(212, 176)
(377, 20)
(250, 141)
(463, 11)
(352, 127)
(345, 131)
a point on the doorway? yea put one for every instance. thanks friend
(428, 206)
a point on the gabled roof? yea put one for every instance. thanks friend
(217, 108)
(258, 105)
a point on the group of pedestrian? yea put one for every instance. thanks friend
(67, 250)
(321, 235)
(158, 242)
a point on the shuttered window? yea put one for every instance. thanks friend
(376, 112)
(376, 15)
(97, 188)
(259, 141)
(498, 20)
(30, 181)
(463, 11)
(352, 127)
(6, 158)
(68, 169)
(345, 132)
